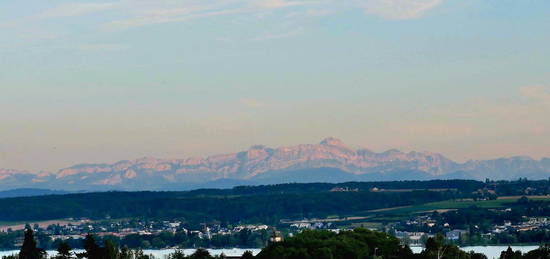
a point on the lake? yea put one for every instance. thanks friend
(162, 252)
(489, 251)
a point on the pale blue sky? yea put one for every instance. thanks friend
(101, 81)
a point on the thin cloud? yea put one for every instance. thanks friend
(318, 12)
(140, 13)
(32, 35)
(400, 9)
(77, 9)
(155, 19)
(251, 103)
(66, 10)
(539, 93)
(102, 47)
(134, 13)
(195, 10)
(509, 116)
(439, 129)
(275, 4)
(273, 36)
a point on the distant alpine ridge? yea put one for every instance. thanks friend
(329, 161)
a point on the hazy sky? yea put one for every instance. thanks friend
(101, 81)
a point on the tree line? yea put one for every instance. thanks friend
(265, 204)
(310, 244)
(254, 208)
(109, 250)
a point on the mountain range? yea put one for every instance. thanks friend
(329, 161)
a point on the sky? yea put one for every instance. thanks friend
(90, 81)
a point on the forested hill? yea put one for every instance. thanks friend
(26, 192)
(461, 185)
(260, 204)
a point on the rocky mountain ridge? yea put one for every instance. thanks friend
(259, 161)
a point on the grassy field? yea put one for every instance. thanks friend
(19, 225)
(392, 214)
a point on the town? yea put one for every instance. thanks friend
(413, 231)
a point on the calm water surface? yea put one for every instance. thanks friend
(162, 252)
(489, 251)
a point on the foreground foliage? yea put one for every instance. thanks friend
(359, 243)
(542, 252)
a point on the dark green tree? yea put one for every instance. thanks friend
(125, 253)
(359, 243)
(201, 254)
(437, 248)
(138, 254)
(64, 250)
(111, 250)
(477, 256)
(510, 254)
(29, 249)
(93, 250)
(178, 254)
(247, 255)
(542, 252)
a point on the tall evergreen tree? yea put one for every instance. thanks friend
(111, 250)
(125, 253)
(29, 249)
(510, 254)
(201, 254)
(247, 255)
(64, 250)
(93, 250)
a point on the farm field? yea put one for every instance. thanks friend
(442, 206)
